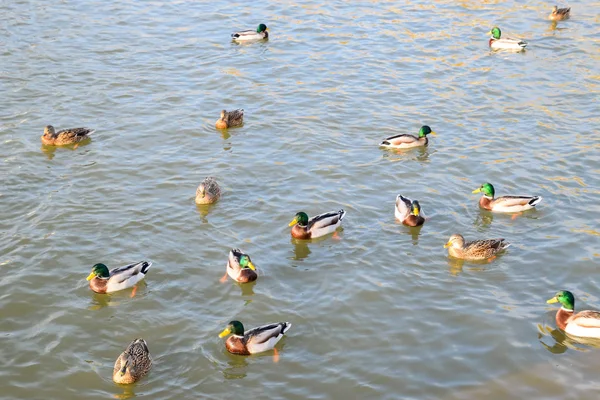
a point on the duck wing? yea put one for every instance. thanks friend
(325, 219)
(403, 205)
(127, 276)
(236, 117)
(398, 140)
(248, 34)
(513, 201)
(485, 248)
(74, 132)
(587, 319)
(265, 337)
(234, 258)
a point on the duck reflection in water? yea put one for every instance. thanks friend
(128, 393)
(456, 265)
(301, 249)
(203, 210)
(247, 289)
(420, 154)
(563, 342)
(484, 219)
(237, 366)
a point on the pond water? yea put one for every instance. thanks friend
(378, 312)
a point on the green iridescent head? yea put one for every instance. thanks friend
(301, 219)
(99, 270)
(425, 130)
(495, 32)
(565, 298)
(261, 28)
(245, 262)
(234, 327)
(487, 189)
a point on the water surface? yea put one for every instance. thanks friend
(380, 312)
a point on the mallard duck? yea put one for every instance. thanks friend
(208, 192)
(254, 341)
(496, 43)
(66, 136)
(584, 323)
(240, 267)
(133, 363)
(259, 34)
(475, 250)
(406, 141)
(230, 119)
(104, 281)
(317, 226)
(505, 203)
(408, 211)
(558, 14)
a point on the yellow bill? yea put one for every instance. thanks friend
(489, 33)
(447, 245)
(225, 332)
(251, 266)
(552, 300)
(90, 276)
(294, 222)
(416, 211)
(433, 133)
(476, 190)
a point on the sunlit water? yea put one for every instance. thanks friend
(380, 312)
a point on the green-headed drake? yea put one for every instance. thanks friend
(257, 340)
(406, 141)
(505, 203)
(498, 43)
(260, 33)
(104, 281)
(584, 323)
(317, 226)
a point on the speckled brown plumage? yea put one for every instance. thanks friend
(559, 14)
(475, 250)
(230, 119)
(64, 137)
(133, 363)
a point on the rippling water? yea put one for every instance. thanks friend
(380, 312)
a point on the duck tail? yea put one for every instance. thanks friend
(286, 327)
(145, 266)
(535, 201)
(342, 214)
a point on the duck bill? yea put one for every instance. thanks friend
(433, 133)
(294, 222)
(225, 332)
(552, 300)
(489, 33)
(90, 276)
(416, 211)
(476, 190)
(447, 245)
(251, 266)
